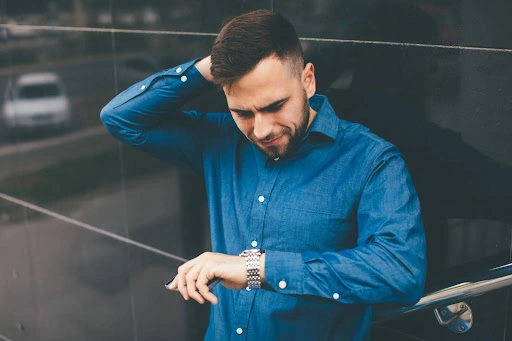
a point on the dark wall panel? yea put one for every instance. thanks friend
(433, 77)
(61, 282)
(459, 23)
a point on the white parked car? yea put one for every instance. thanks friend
(36, 100)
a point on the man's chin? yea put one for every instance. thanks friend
(276, 151)
(271, 152)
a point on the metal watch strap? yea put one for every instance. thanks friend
(252, 260)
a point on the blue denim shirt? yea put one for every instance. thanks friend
(339, 219)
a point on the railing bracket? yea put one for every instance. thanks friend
(456, 317)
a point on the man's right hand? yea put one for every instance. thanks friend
(193, 276)
(203, 66)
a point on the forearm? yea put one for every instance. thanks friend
(385, 264)
(134, 112)
(362, 275)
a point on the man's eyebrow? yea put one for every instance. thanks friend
(239, 110)
(266, 108)
(272, 105)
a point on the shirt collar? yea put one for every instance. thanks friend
(326, 122)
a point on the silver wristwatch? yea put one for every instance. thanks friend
(252, 260)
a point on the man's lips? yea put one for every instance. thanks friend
(273, 142)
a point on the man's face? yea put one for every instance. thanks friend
(270, 105)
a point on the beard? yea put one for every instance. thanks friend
(294, 138)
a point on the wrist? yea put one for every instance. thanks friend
(262, 268)
(254, 267)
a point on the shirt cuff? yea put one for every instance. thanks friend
(284, 272)
(187, 75)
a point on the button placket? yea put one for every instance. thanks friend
(262, 196)
(243, 311)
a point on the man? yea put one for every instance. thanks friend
(313, 219)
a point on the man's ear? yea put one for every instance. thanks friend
(308, 79)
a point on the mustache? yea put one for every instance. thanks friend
(270, 137)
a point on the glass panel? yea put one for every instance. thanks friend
(460, 23)
(67, 283)
(64, 278)
(177, 15)
(448, 118)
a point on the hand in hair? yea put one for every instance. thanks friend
(204, 66)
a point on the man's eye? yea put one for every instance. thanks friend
(243, 114)
(275, 108)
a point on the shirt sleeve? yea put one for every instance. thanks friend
(147, 116)
(388, 264)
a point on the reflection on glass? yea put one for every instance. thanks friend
(392, 90)
(82, 174)
(36, 100)
(38, 91)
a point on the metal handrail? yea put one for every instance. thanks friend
(494, 279)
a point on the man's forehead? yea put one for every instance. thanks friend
(266, 70)
(258, 98)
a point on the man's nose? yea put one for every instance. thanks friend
(263, 126)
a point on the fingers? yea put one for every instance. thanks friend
(172, 284)
(193, 284)
(202, 287)
(180, 283)
(182, 286)
(191, 280)
(193, 276)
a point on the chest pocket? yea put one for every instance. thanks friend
(318, 224)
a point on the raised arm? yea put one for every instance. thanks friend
(204, 66)
(147, 115)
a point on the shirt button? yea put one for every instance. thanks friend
(336, 296)
(261, 198)
(282, 284)
(143, 87)
(183, 79)
(276, 158)
(247, 288)
(178, 70)
(254, 243)
(239, 331)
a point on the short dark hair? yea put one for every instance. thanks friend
(247, 39)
